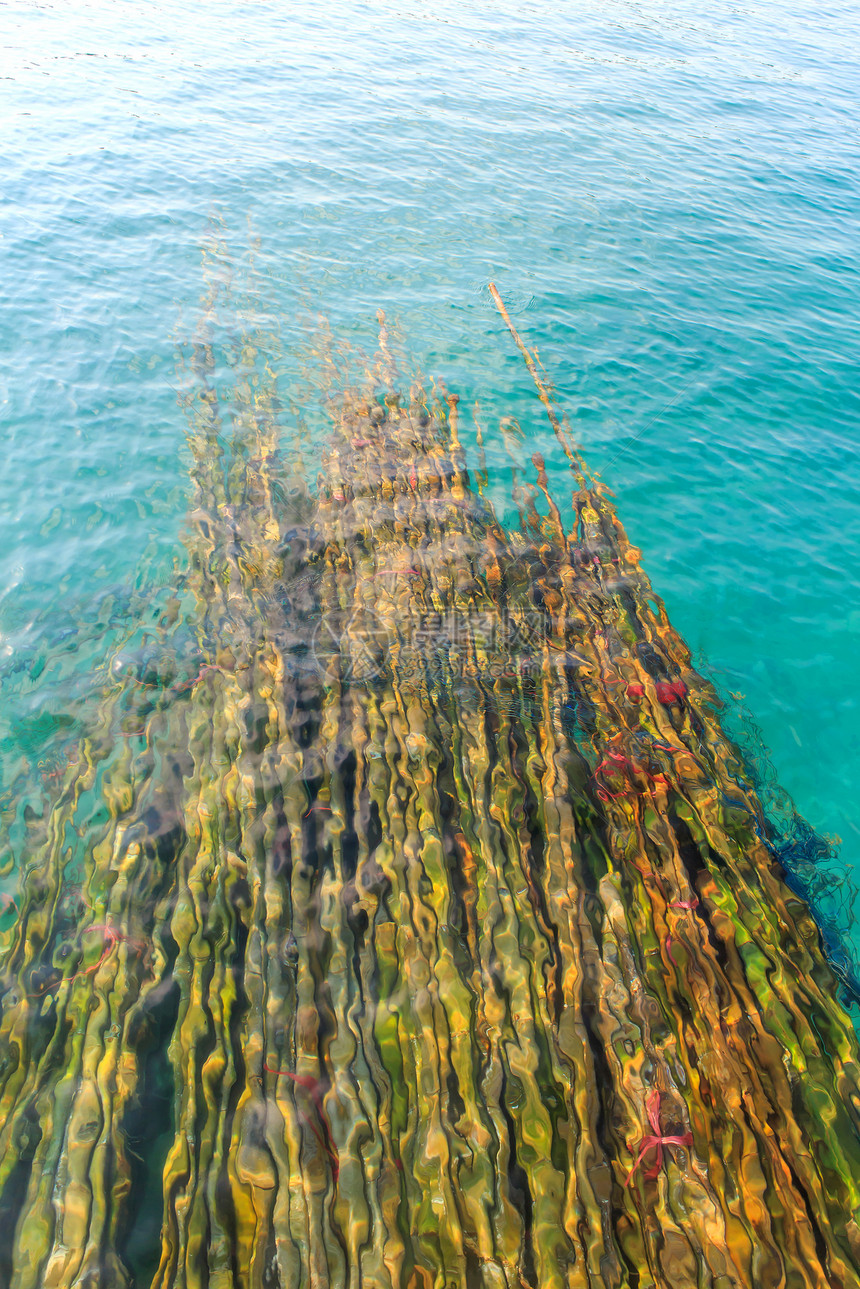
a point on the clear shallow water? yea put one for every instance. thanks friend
(666, 197)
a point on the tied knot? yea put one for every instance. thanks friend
(656, 1139)
(690, 905)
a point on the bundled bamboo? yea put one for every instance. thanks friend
(433, 902)
(607, 771)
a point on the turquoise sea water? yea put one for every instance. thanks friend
(666, 196)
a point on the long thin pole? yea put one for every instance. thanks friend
(542, 388)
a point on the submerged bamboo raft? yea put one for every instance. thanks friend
(425, 930)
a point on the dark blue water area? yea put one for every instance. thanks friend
(668, 200)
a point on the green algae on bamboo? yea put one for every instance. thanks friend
(482, 968)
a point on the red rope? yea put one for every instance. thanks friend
(655, 1140)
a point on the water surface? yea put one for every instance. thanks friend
(666, 196)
